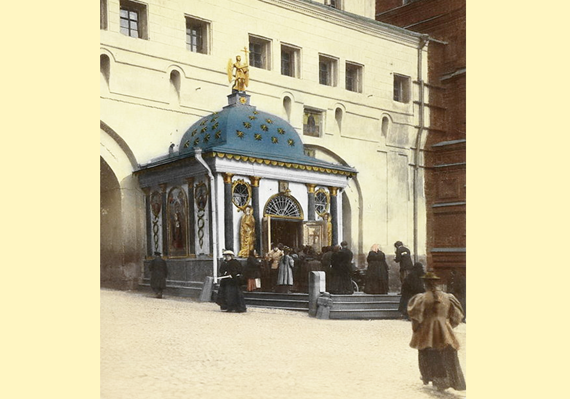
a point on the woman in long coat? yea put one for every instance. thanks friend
(285, 272)
(434, 314)
(252, 270)
(377, 272)
(341, 272)
(158, 274)
(230, 297)
(413, 284)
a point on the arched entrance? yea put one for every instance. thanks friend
(283, 222)
(122, 232)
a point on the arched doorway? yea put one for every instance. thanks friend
(283, 222)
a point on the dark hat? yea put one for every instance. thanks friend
(344, 244)
(157, 253)
(398, 243)
(430, 276)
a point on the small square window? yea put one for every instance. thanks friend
(259, 52)
(354, 77)
(197, 32)
(327, 70)
(289, 61)
(401, 88)
(133, 19)
(312, 122)
(334, 4)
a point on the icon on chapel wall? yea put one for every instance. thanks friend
(177, 222)
(201, 195)
(155, 203)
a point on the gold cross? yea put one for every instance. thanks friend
(245, 50)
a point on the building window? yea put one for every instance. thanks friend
(197, 35)
(327, 70)
(312, 122)
(105, 69)
(321, 202)
(335, 4)
(103, 15)
(401, 88)
(241, 194)
(289, 61)
(259, 52)
(354, 77)
(133, 19)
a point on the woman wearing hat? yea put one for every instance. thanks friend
(230, 296)
(434, 314)
(285, 272)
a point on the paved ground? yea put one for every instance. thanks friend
(176, 348)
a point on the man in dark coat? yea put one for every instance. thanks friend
(158, 274)
(404, 258)
(341, 268)
(230, 297)
(413, 284)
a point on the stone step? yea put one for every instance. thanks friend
(365, 305)
(181, 291)
(360, 298)
(364, 314)
(277, 300)
(276, 295)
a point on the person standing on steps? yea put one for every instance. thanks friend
(404, 258)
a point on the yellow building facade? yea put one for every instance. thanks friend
(352, 89)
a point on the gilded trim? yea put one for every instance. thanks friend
(247, 158)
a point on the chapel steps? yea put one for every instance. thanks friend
(293, 301)
(355, 306)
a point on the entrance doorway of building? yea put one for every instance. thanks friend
(286, 232)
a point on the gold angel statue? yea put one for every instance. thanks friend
(239, 73)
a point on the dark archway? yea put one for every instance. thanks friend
(111, 240)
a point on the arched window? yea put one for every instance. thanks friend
(283, 206)
(287, 108)
(338, 117)
(385, 126)
(105, 69)
(175, 86)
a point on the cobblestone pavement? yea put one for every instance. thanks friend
(177, 348)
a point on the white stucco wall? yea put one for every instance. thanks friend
(138, 105)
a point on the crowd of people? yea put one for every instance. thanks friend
(432, 312)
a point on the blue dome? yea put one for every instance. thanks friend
(242, 129)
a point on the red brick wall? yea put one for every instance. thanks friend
(443, 20)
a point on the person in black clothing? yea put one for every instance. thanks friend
(377, 272)
(230, 297)
(413, 284)
(404, 258)
(341, 271)
(252, 270)
(158, 274)
(457, 287)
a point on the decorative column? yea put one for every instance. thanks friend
(254, 180)
(334, 214)
(311, 197)
(191, 216)
(146, 191)
(228, 212)
(164, 220)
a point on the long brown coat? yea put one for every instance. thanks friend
(434, 315)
